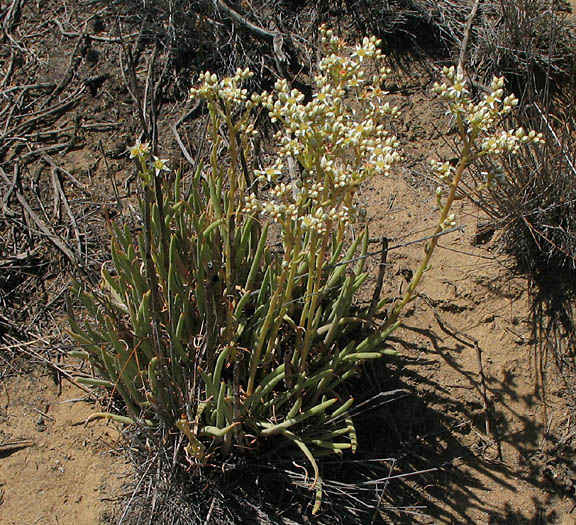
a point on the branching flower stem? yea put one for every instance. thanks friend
(313, 298)
(294, 257)
(312, 262)
(232, 205)
(431, 246)
(270, 316)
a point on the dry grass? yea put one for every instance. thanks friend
(536, 208)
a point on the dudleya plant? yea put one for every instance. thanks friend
(227, 343)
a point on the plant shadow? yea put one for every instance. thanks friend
(452, 445)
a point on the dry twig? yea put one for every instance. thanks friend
(471, 342)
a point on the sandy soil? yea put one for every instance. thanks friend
(490, 462)
(56, 472)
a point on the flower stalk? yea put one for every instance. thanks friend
(477, 138)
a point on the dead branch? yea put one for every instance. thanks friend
(11, 188)
(96, 126)
(111, 177)
(9, 22)
(466, 37)
(64, 200)
(56, 198)
(132, 86)
(97, 38)
(235, 16)
(148, 98)
(25, 348)
(9, 70)
(46, 230)
(11, 15)
(63, 148)
(20, 260)
(379, 279)
(73, 179)
(14, 446)
(273, 37)
(176, 134)
(39, 115)
(559, 143)
(26, 87)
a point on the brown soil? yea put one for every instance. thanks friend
(503, 458)
(55, 471)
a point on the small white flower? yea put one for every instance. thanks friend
(139, 150)
(160, 165)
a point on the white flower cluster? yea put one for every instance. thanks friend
(307, 207)
(444, 170)
(509, 141)
(477, 119)
(141, 151)
(476, 122)
(228, 89)
(271, 173)
(160, 165)
(339, 137)
(449, 222)
(496, 176)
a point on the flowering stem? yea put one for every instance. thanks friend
(313, 299)
(293, 263)
(255, 357)
(431, 246)
(231, 210)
